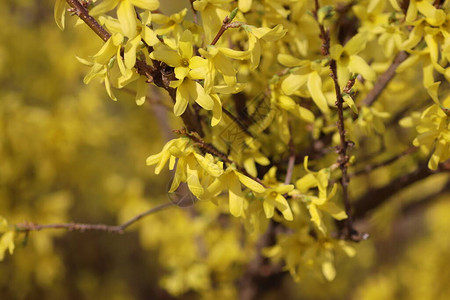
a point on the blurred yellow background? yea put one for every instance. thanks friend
(69, 153)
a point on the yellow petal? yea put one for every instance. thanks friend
(290, 61)
(182, 100)
(359, 65)
(210, 167)
(185, 45)
(305, 114)
(7, 243)
(103, 6)
(286, 102)
(146, 4)
(245, 5)
(283, 206)
(328, 270)
(150, 36)
(130, 52)
(334, 210)
(167, 55)
(315, 88)
(141, 91)
(269, 207)
(108, 89)
(269, 35)
(292, 83)
(60, 13)
(349, 101)
(437, 154)
(236, 198)
(432, 90)
(250, 183)
(435, 17)
(316, 218)
(414, 37)
(356, 44)
(127, 18)
(411, 14)
(203, 99)
(217, 110)
(235, 54)
(254, 47)
(181, 72)
(106, 52)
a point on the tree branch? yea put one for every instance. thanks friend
(376, 197)
(343, 158)
(27, 227)
(83, 14)
(384, 79)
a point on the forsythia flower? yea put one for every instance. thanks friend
(274, 196)
(304, 72)
(187, 69)
(125, 12)
(321, 203)
(348, 61)
(433, 127)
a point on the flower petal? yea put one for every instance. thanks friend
(127, 18)
(315, 88)
(146, 4)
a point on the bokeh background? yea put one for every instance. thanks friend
(69, 153)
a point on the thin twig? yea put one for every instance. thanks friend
(374, 198)
(342, 148)
(226, 23)
(369, 168)
(194, 11)
(83, 14)
(27, 227)
(291, 162)
(384, 79)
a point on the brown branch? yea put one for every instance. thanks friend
(324, 34)
(369, 168)
(291, 162)
(259, 274)
(226, 23)
(378, 196)
(27, 227)
(384, 79)
(83, 14)
(194, 12)
(429, 199)
(342, 148)
(342, 151)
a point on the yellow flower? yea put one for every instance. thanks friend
(187, 68)
(305, 72)
(125, 12)
(320, 203)
(348, 61)
(433, 127)
(274, 196)
(212, 13)
(231, 180)
(255, 35)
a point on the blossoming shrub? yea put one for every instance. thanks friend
(270, 139)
